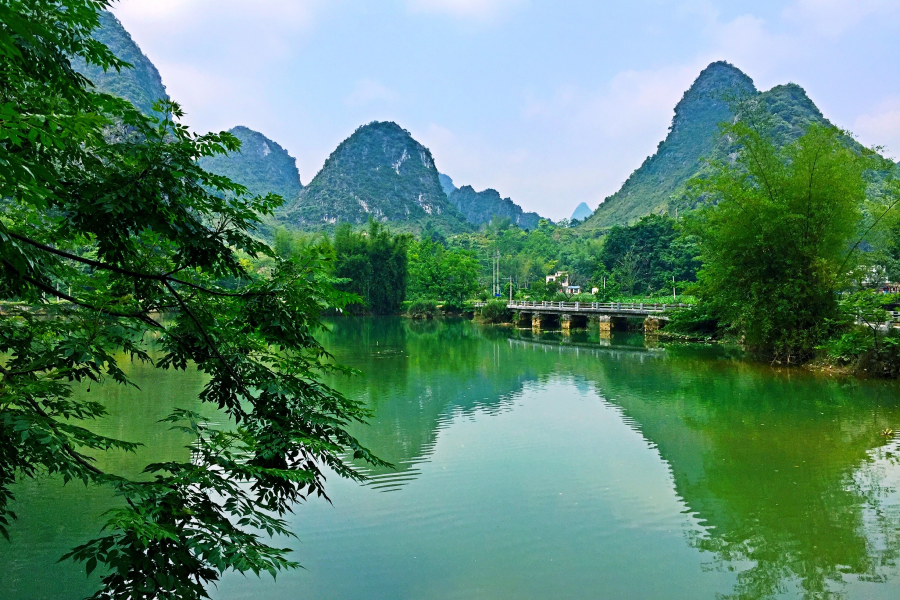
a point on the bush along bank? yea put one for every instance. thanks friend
(865, 340)
(495, 311)
(422, 309)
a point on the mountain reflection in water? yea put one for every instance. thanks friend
(787, 472)
(549, 466)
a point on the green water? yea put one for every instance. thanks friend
(551, 467)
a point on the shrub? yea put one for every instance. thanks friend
(422, 309)
(586, 298)
(495, 311)
(699, 321)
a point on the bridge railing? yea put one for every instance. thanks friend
(595, 306)
(638, 307)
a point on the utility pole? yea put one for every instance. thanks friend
(497, 276)
(494, 280)
(674, 297)
(510, 290)
(493, 276)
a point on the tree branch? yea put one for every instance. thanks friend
(108, 267)
(213, 348)
(863, 236)
(54, 292)
(72, 453)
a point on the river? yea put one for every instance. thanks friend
(547, 466)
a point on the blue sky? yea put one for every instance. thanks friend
(549, 102)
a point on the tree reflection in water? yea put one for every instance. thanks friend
(785, 469)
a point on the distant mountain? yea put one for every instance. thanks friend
(582, 212)
(480, 208)
(658, 185)
(379, 172)
(691, 137)
(446, 184)
(262, 166)
(142, 85)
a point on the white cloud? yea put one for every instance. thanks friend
(481, 10)
(604, 133)
(368, 91)
(234, 29)
(278, 13)
(214, 55)
(881, 127)
(834, 17)
(748, 43)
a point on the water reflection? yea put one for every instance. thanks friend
(418, 376)
(54, 518)
(785, 470)
(514, 448)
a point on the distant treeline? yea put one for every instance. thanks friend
(385, 269)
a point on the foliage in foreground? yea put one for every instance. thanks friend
(107, 223)
(865, 339)
(778, 242)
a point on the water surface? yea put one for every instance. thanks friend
(553, 467)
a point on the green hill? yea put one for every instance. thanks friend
(480, 208)
(262, 166)
(658, 185)
(691, 137)
(379, 172)
(142, 85)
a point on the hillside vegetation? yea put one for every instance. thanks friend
(658, 185)
(691, 137)
(480, 208)
(261, 165)
(380, 173)
(141, 85)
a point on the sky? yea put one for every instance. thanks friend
(550, 102)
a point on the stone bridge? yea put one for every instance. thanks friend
(574, 315)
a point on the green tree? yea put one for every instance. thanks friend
(439, 273)
(107, 224)
(460, 281)
(776, 243)
(373, 265)
(647, 255)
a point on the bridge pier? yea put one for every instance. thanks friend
(569, 322)
(522, 319)
(603, 322)
(652, 325)
(608, 324)
(544, 321)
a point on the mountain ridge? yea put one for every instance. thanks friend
(141, 85)
(658, 185)
(691, 136)
(581, 212)
(480, 208)
(379, 172)
(261, 165)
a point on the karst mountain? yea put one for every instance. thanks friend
(659, 184)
